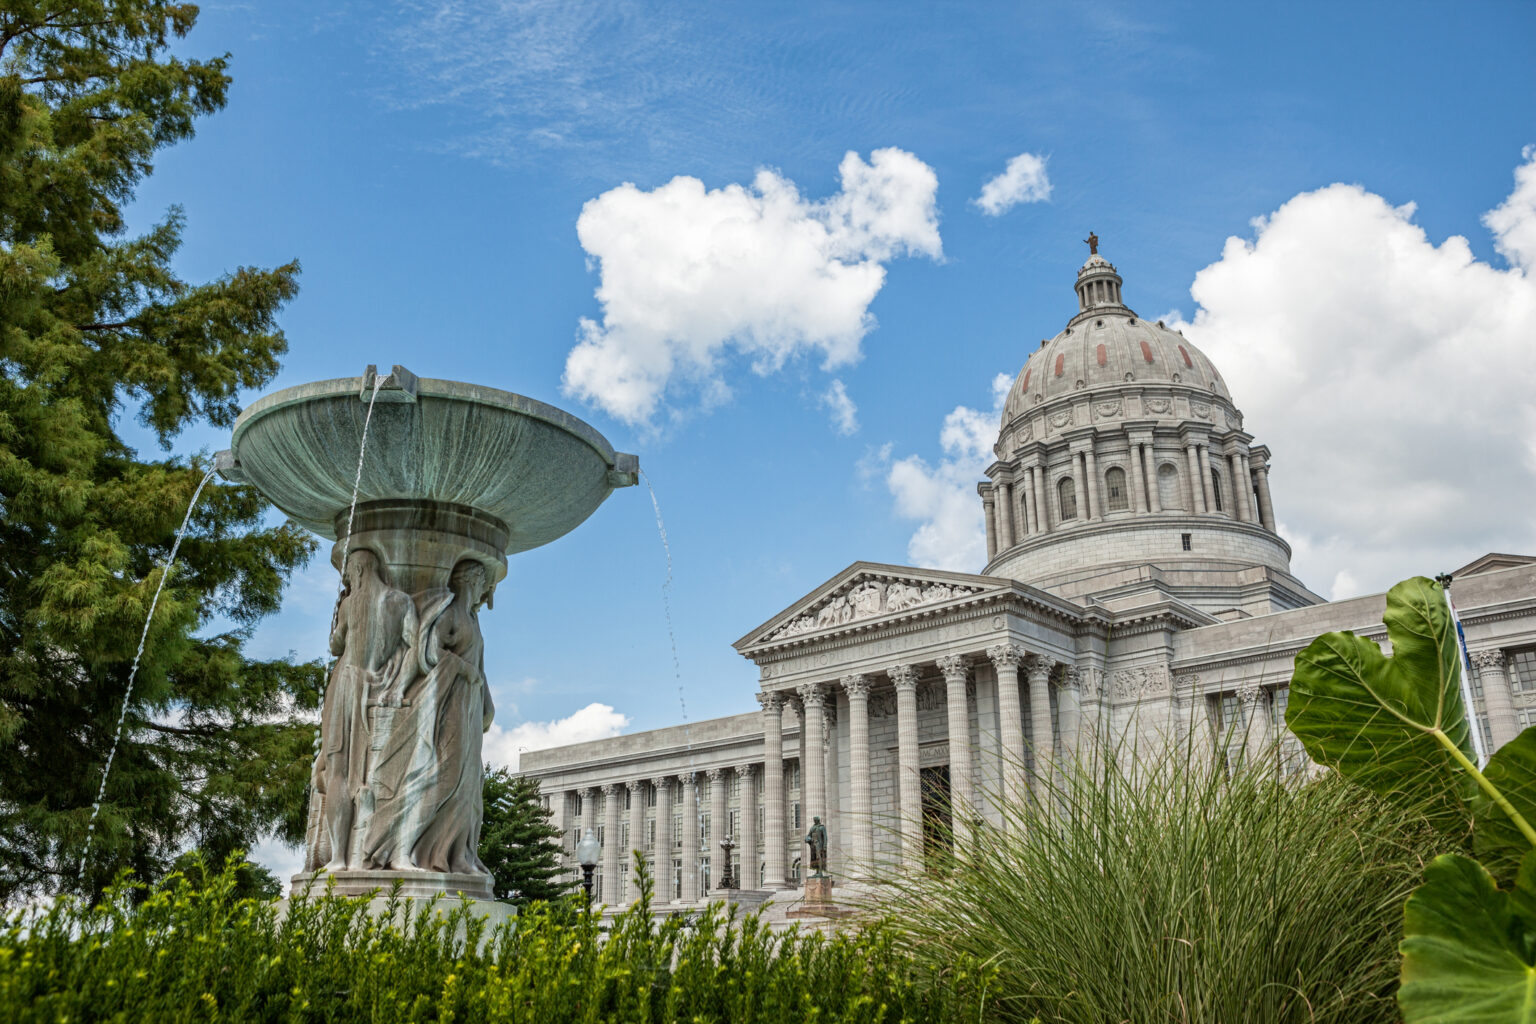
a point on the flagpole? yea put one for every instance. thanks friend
(1479, 750)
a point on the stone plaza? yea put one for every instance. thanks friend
(1136, 590)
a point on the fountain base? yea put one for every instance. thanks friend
(413, 884)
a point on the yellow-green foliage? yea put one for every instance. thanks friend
(201, 955)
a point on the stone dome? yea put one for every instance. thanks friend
(1107, 345)
(1121, 460)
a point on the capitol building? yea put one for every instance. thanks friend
(1135, 588)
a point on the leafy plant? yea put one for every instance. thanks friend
(185, 953)
(1397, 725)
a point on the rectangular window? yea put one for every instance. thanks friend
(650, 834)
(624, 834)
(704, 873)
(626, 797)
(650, 797)
(1522, 670)
(734, 792)
(677, 832)
(796, 819)
(760, 821)
(1184, 538)
(579, 799)
(704, 785)
(600, 831)
(677, 879)
(794, 775)
(704, 828)
(734, 819)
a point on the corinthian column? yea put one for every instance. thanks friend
(1010, 719)
(1005, 515)
(962, 787)
(636, 835)
(857, 688)
(690, 887)
(747, 841)
(909, 792)
(719, 821)
(663, 852)
(1255, 704)
(1095, 507)
(989, 507)
(1196, 492)
(1266, 506)
(813, 770)
(1042, 737)
(613, 888)
(773, 790)
(1503, 723)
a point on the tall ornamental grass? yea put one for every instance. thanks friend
(1169, 891)
(184, 954)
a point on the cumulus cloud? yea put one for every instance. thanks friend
(504, 747)
(688, 275)
(1391, 377)
(1023, 181)
(942, 498)
(845, 414)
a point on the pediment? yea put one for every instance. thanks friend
(1493, 562)
(867, 591)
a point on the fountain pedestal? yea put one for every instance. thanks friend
(454, 478)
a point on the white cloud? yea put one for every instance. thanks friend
(1393, 379)
(688, 273)
(1023, 181)
(950, 534)
(504, 747)
(1513, 222)
(845, 414)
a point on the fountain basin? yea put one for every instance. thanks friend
(533, 470)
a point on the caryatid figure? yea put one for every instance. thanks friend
(372, 634)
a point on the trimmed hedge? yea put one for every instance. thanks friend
(185, 953)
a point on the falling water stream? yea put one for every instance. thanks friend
(133, 671)
(666, 604)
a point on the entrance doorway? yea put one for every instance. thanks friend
(938, 836)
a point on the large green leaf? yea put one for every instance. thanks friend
(1393, 724)
(1497, 840)
(1469, 950)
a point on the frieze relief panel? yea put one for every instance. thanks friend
(1107, 410)
(868, 598)
(1159, 406)
(1138, 683)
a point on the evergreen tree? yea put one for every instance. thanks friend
(95, 325)
(517, 842)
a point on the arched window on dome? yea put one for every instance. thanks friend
(1216, 489)
(1169, 494)
(1116, 497)
(1066, 491)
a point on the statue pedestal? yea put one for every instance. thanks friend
(818, 889)
(818, 901)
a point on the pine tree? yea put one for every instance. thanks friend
(95, 325)
(517, 842)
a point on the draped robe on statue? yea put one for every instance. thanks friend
(371, 637)
(427, 773)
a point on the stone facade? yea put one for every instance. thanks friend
(1119, 599)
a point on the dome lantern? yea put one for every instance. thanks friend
(1098, 285)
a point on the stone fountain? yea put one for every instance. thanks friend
(455, 478)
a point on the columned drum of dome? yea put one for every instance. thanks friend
(1122, 457)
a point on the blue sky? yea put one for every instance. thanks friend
(428, 163)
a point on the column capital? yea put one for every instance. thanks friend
(612, 789)
(904, 677)
(660, 783)
(746, 770)
(715, 774)
(1483, 660)
(1250, 694)
(1071, 678)
(812, 695)
(856, 686)
(954, 666)
(686, 778)
(636, 785)
(1006, 655)
(772, 702)
(1039, 667)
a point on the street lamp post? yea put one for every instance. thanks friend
(587, 852)
(727, 877)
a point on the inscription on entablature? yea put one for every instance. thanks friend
(900, 643)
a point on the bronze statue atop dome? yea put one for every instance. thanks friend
(1092, 242)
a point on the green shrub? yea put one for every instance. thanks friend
(190, 953)
(1169, 891)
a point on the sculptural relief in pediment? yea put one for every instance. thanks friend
(868, 598)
